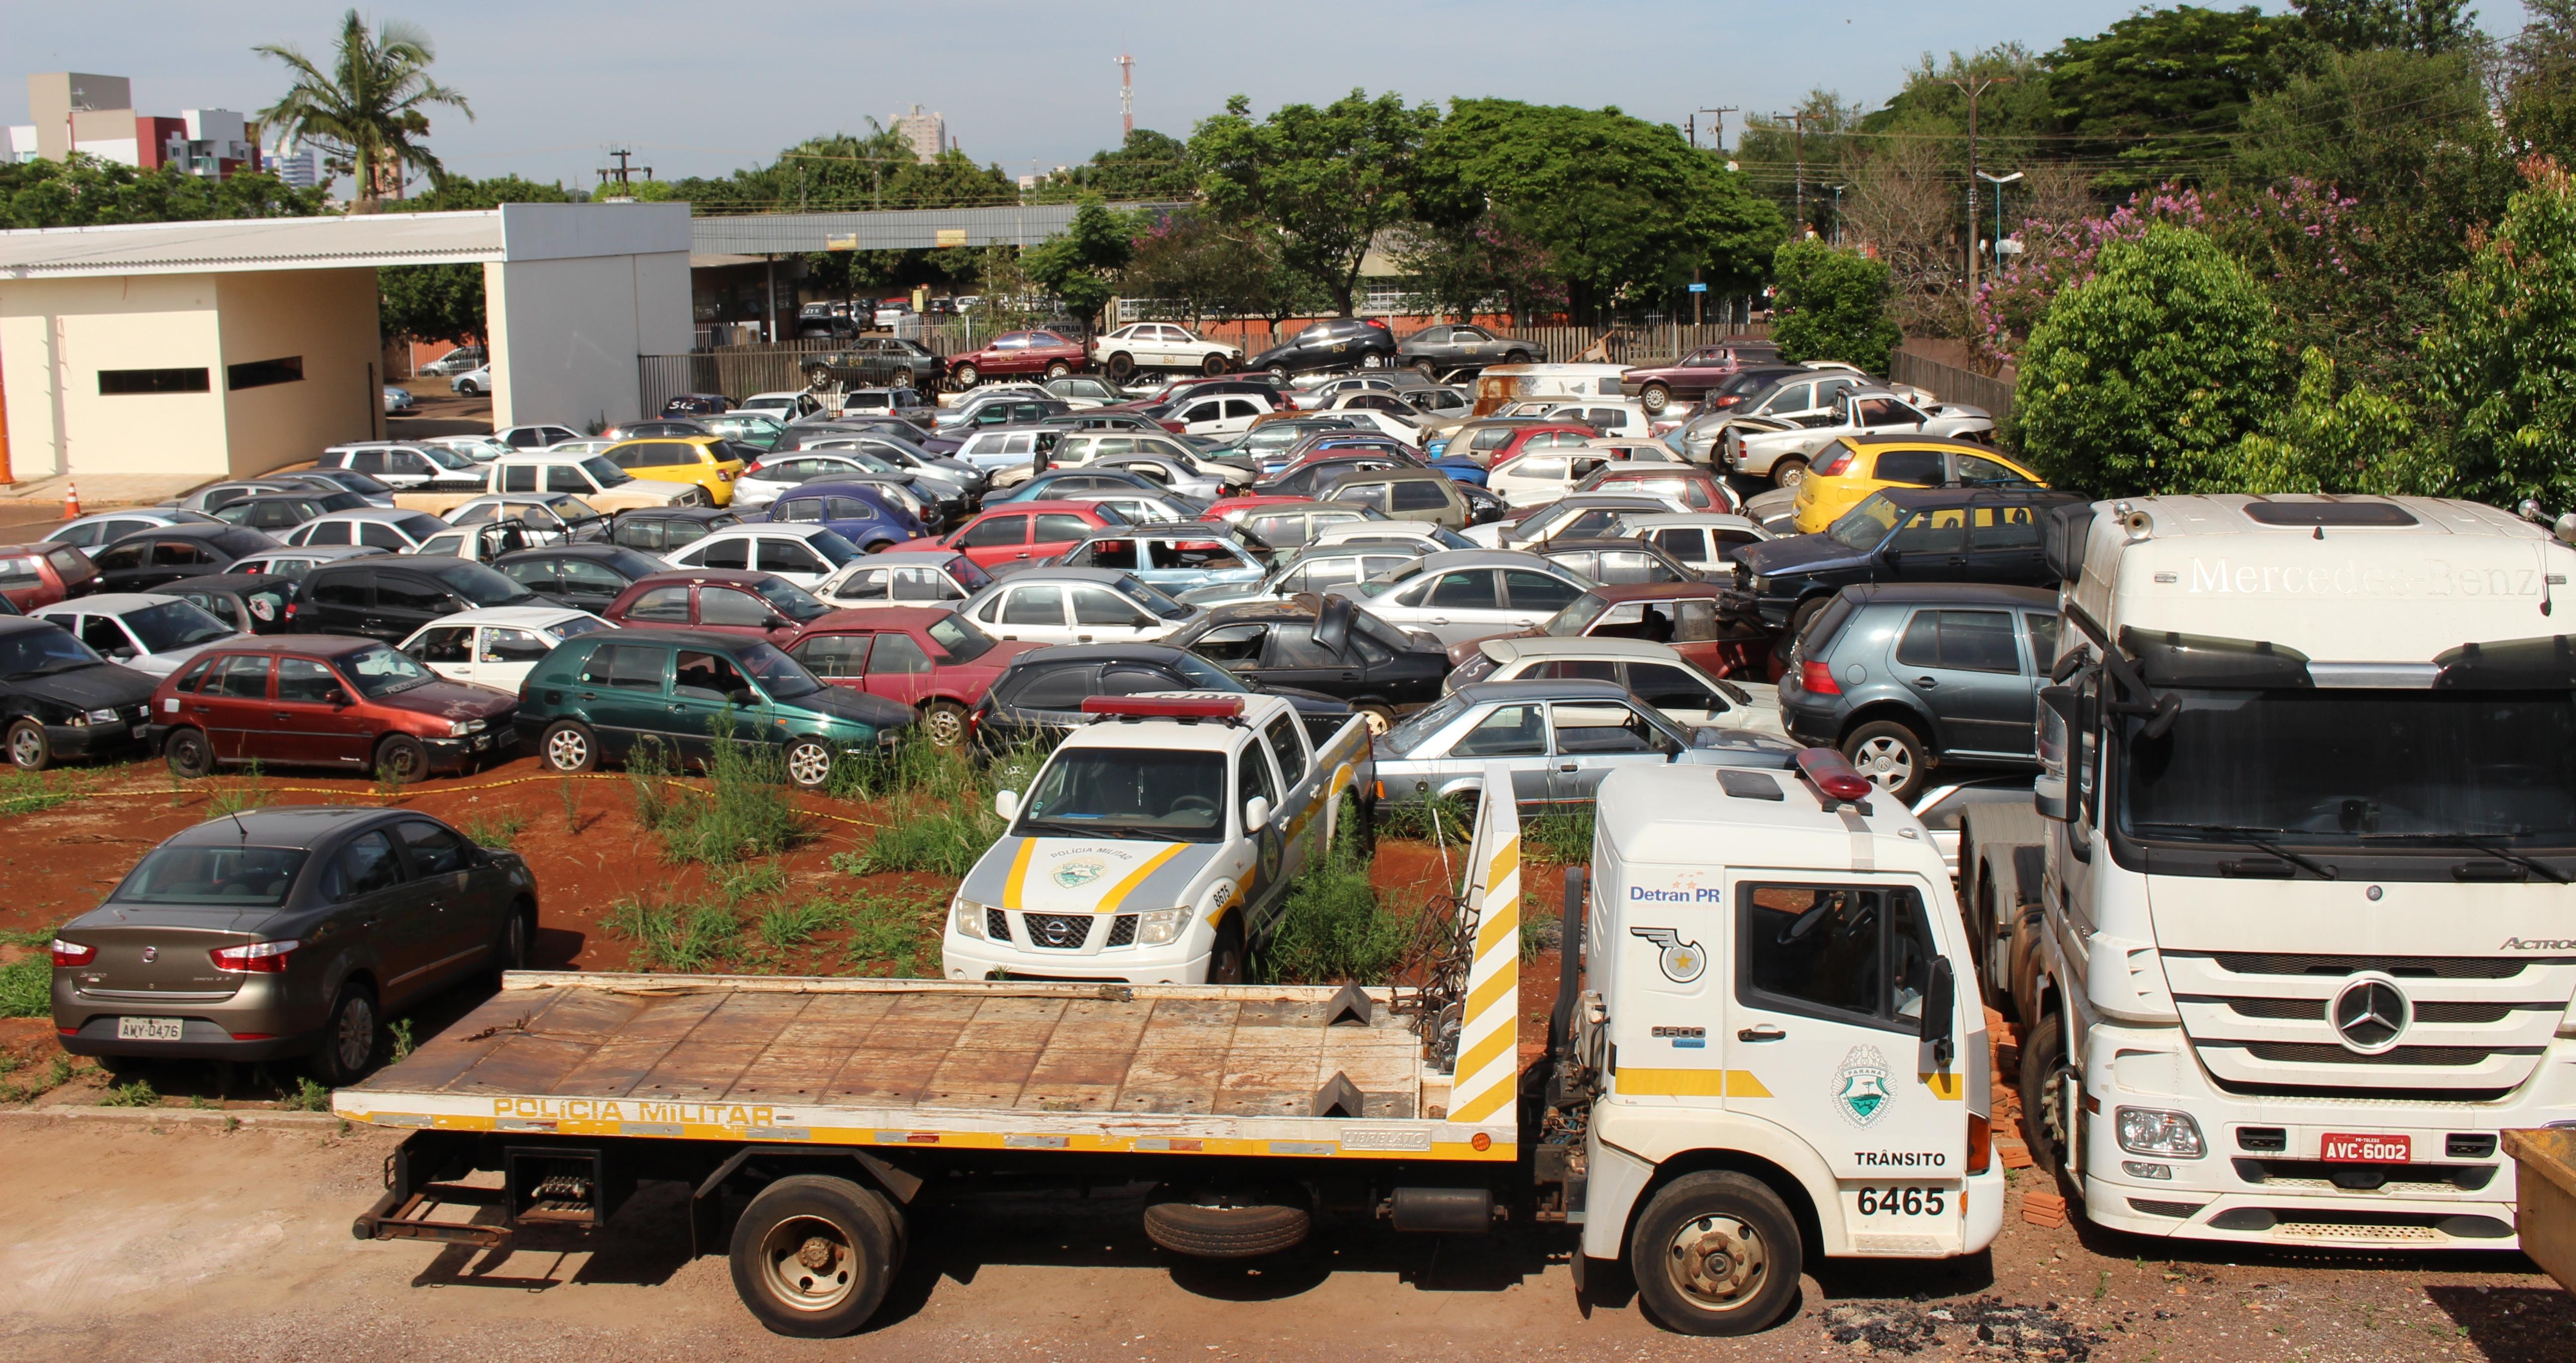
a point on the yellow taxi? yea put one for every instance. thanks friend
(705, 460)
(1848, 470)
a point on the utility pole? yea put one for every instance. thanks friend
(1126, 97)
(1974, 86)
(623, 173)
(1798, 195)
(1717, 142)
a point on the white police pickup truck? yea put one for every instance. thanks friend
(1156, 845)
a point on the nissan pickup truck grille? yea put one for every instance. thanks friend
(1057, 931)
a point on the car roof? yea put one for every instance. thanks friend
(673, 513)
(1654, 591)
(109, 603)
(911, 558)
(1510, 648)
(1399, 474)
(317, 645)
(284, 823)
(371, 513)
(550, 457)
(1919, 498)
(1717, 520)
(186, 530)
(1098, 653)
(508, 615)
(659, 634)
(1589, 543)
(1480, 558)
(321, 552)
(803, 530)
(676, 576)
(1478, 693)
(1942, 442)
(1042, 504)
(232, 582)
(1054, 573)
(877, 617)
(589, 549)
(1955, 593)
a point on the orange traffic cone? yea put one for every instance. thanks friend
(71, 501)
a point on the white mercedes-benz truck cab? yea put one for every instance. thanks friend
(2303, 940)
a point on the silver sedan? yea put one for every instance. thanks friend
(1558, 739)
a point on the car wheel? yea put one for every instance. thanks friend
(1225, 962)
(1372, 360)
(1716, 1253)
(812, 1256)
(1430, 372)
(901, 378)
(1891, 755)
(817, 376)
(1807, 610)
(1057, 369)
(1279, 373)
(966, 375)
(348, 1039)
(401, 759)
(809, 763)
(1789, 472)
(945, 722)
(189, 755)
(29, 748)
(568, 747)
(510, 952)
(1655, 398)
(1213, 364)
(1516, 357)
(472, 390)
(1121, 367)
(1378, 718)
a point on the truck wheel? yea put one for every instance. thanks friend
(1224, 1224)
(1716, 1254)
(1788, 471)
(568, 747)
(1225, 962)
(189, 755)
(29, 748)
(348, 1040)
(2047, 1127)
(813, 1256)
(1655, 398)
(1891, 756)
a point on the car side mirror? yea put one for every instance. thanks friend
(1006, 803)
(1940, 1002)
(122, 655)
(335, 696)
(1893, 556)
(1256, 813)
(743, 696)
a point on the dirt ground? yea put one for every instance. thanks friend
(123, 1235)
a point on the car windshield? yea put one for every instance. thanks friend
(574, 509)
(446, 458)
(1864, 526)
(963, 642)
(831, 545)
(781, 676)
(605, 473)
(577, 626)
(379, 671)
(969, 574)
(790, 600)
(27, 652)
(2350, 768)
(174, 624)
(1128, 793)
(1425, 722)
(481, 585)
(1152, 599)
(1577, 616)
(246, 877)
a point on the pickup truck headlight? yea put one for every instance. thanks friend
(1161, 926)
(969, 918)
(2157, 1131)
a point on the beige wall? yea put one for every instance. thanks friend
(326, 317)
(56, 334)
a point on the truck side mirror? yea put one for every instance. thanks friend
(2060, 715)
(1940, 1003)
(1256, 813)
(1006, 803)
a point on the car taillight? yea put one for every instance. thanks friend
(1818, 679)
(73, 953)
(259, 958)
(1981, 1144)
(1834, 464)
(290, 611)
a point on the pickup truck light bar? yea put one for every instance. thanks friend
(1229, 709)
(1833, 774)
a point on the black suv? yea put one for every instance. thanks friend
(1898, 535)
(1334, 343)
(1038, 698)
(583, 576)
(388, 596)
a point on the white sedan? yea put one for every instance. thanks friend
(496, 646)
(1076, 606)
(1161, 345)
(146, 631)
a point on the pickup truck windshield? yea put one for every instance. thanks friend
(1128, 793)
(2357, 768)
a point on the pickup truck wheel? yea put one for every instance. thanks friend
(568, 747)
(1891, 756)
(1789, 471)
(945, 722)
(812, 1256)
(401, 759)
(1655, 398)
(189, 755)
(29, 748)
(348, 1040)
(966, 375)
(2047, 1127)
(1378, 718)
(1224, 1224)
(1225, 961)
(809, 763)
(1057, 369)
(1716, 1254)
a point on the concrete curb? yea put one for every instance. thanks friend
(195, 1116)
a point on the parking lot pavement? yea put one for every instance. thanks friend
(149, 1241)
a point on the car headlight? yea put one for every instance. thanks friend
(1758, 585)
(2157, 1131)
(969, 918)
(1161, 926)
(462, 727)
(107, 716)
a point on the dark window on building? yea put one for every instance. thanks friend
(120, 382)
(261, 373)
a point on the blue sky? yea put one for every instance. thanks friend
(700, 89)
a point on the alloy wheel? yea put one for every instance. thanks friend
(1885, 762)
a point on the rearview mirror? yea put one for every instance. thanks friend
(2048, 795)
(1256, 813)
(1006, 803)
(1940, 1001)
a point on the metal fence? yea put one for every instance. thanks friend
(1951, 383)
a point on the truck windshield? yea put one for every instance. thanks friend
(2346, 767)
(1128, 793)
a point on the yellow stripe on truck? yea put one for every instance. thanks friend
(1118, 893)
(1644, 1083)
(1019, 872)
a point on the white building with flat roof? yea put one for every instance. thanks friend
(928, 133)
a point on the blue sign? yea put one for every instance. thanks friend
(1699, 288)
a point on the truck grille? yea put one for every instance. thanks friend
(2311, 1053)
(2310, 1010)
(1057, 931)
(1122, 930)
(997, 925)
(2428, 967)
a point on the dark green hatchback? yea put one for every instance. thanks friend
(595, 697)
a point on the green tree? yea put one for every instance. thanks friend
(2501, 371)
(445, 302)
(2154, 97)
(2540, 80)
(85, 191)
(369, 112)
(1832, 305)
(1081, 264)
(2143, 378)
(1193, 267)
(1149, 167)
(1778, 155)
(2409, 25)
(1321, 183)
(2358, 440)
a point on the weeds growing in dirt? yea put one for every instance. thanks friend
(790, 926)
(1334, 929)
(1445, 821)
(921, 836)
(400, 1035)
(27, 984)
(250, 792)
(307, 1097)
(26, 792)
(679, 939)
(752, 881)
(902, 937)
(571, 804)
(134, 1093)
(648, 775)
(1561, 839)
(497, 829)
(750, 810)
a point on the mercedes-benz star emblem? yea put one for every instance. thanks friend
(2370, 1015)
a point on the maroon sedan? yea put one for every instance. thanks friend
(725, 600)
(1019, 352)
(34, 575)
(322, 701)
(935, 661)
(1689, 378)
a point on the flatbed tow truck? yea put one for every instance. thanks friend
(835, 1112)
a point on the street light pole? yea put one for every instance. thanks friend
(1998, 182)
(1974, 86)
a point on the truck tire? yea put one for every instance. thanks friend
(1716, 1253)
(1224, 1224)
(1225, 960)
(812, 1256)
(2021, 963)
(2047, 1126)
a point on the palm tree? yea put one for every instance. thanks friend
(366, 111)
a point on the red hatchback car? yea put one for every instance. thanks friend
(1698, 489)
(725, 600)
(1537, 437)
(35, 575)
(1019, 352)
(936, 661)
(1020, 532)
(323, 701)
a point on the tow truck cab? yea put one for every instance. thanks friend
(1778, 1036)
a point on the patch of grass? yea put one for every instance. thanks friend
(678, 939)
(26, 792)
(1561, 839)
(307, 1097)
(1334, 929)
(766, 878)
(1443, 821)
(921, 836)
(137, 1093)
(499, 829)
(1539, 928)
(648, 774)
(571, 796)
(250, 792)
(750, 811)
(27, 987)
(790, 926)
(902, 937)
